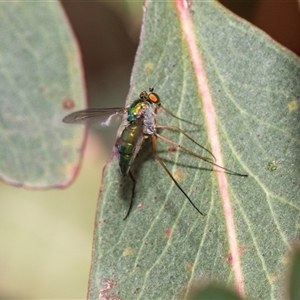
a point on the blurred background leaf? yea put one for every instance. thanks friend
(212, 292)
(41, 81)
(293, 283)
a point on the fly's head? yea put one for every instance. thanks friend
(150, 97)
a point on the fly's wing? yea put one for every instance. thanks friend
(96, 116)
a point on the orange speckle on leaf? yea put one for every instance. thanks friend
(285, 260)
(241, 249)
(148, 67)
(293, 105)
(178, 174)
(127, 251)
(188, 266)
(273, 277)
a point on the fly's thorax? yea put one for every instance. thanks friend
(149, 117)
(140, 106)
(136, 109)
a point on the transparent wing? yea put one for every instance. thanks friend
(99, 116)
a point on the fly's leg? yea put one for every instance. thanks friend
(186, 135)
(154, 147)
(197, 155)
(132, 195)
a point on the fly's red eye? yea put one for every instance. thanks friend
(153, 98)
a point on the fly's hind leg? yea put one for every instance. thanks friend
(174, 128)
(198, 156)
(132, 194)
(154, 147)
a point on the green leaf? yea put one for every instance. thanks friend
(214, 292)
(294, 278)
(245, 99)
(40, 83)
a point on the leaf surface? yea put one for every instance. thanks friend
(41, 82)
(294, 276)
(242, 90)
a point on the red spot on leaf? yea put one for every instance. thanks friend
(65, 154)
(229, 258)
(68, 104)
(168, 232)
(104, 292)
(172, 149)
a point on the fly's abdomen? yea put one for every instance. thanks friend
(129, 145)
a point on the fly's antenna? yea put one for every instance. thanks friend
(174, 116)
(151, 89)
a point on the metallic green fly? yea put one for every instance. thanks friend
(140, 125)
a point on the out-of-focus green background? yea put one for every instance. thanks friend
(46, 236)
